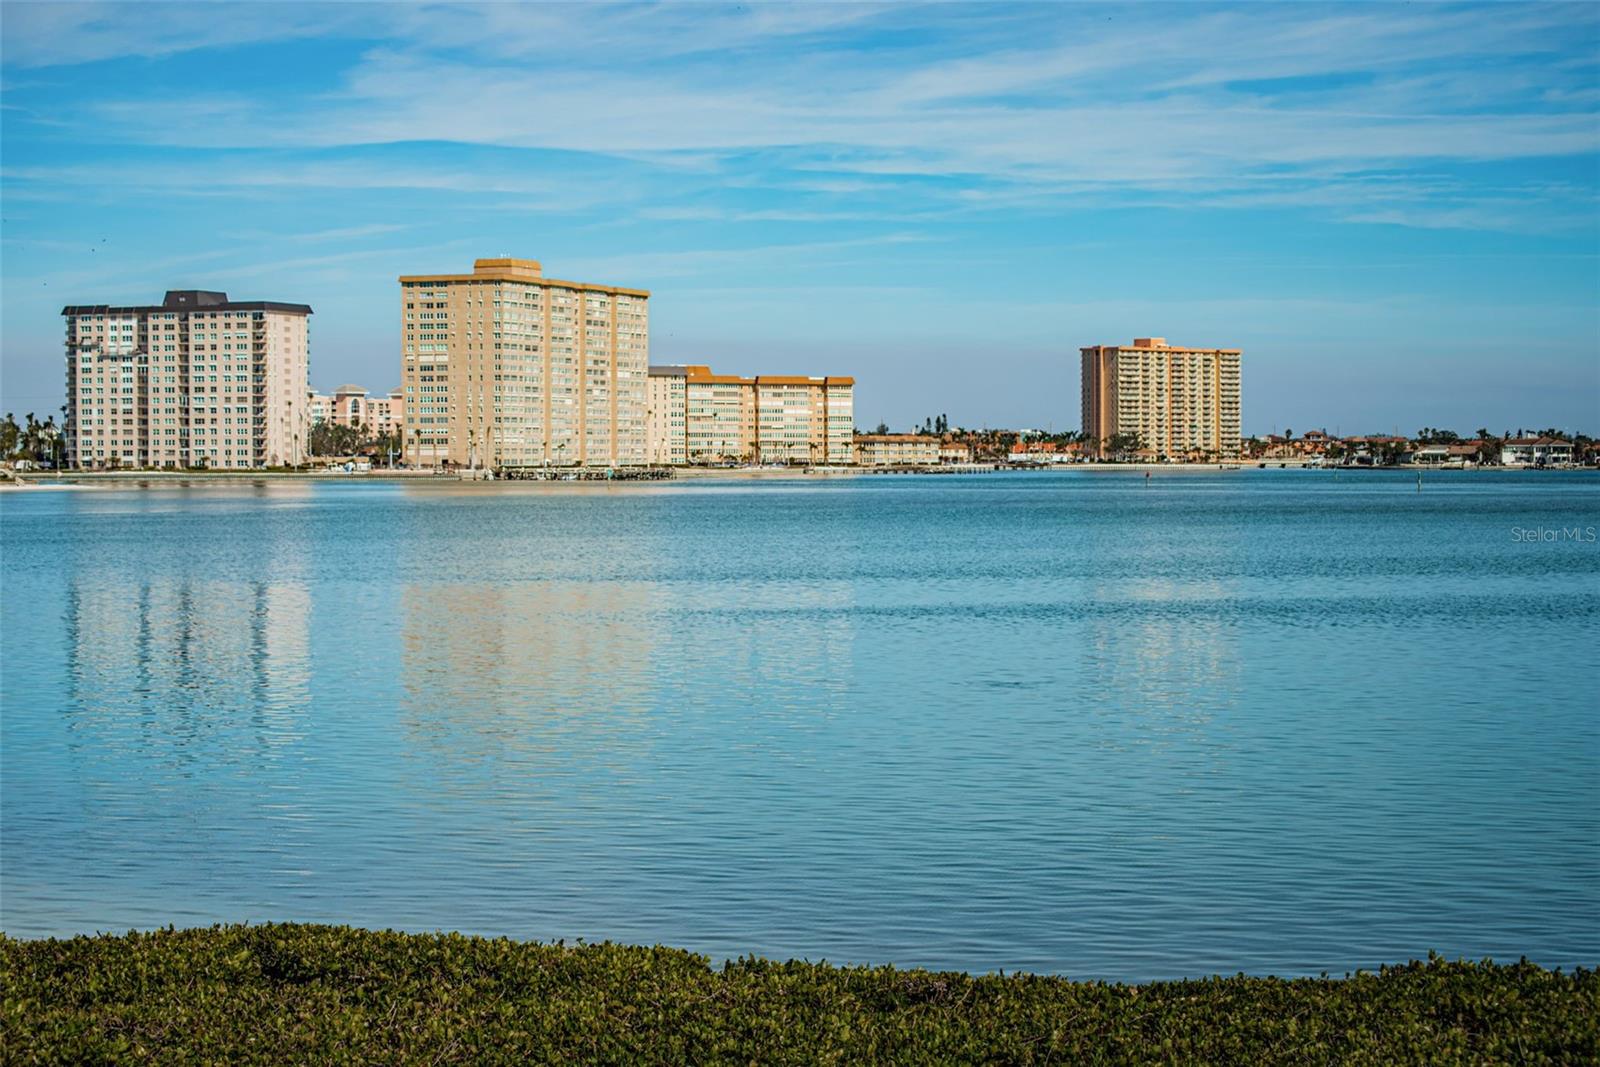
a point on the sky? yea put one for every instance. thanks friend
(1394, 210)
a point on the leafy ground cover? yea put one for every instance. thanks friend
(323, 994)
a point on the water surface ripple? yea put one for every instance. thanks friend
(1277, 722)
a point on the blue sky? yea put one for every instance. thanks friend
(1394, 210)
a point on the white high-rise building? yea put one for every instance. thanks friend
(196, 381)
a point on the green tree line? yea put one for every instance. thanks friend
(336, 439)
(41, 442)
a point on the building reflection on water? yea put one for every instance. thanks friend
(181, 669)
(484, 668)
(502, 683)
(1159, 665)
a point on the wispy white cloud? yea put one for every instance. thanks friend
(1123, 98)
(338, 233)
(44, 34)
(675, 264)
(254, 176)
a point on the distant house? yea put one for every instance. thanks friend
(1536, 452)
(1274, 446)
(1041, 453)
(1369, 451)
(1434, 455)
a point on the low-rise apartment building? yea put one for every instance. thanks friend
(195, 381)
(952, 452)
(697, 417)
(897, 450)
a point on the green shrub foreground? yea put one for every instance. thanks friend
(321, 994)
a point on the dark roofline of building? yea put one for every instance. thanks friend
(189, 300)
(232, 305)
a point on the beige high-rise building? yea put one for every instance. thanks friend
(504, 367)
(699, 417)
(1183, 403)
(196, 381)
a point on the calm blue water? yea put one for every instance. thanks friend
(1266, 721)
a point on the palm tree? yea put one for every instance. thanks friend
(1487, 449)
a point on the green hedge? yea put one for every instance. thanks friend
(320, 994)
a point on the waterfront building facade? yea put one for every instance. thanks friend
(955, 452)
(504, 367)
(666, 416)
(1182, 403)
(1535, 452)
(350, 405)
(195, 381)
(720, 417)
(897, 450)
(386, 414)
(697, 417)
(321, 405)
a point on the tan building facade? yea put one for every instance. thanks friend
(897, 450)
(698, 417)
(955, 452)
(196, 381)
(720, 417)
(1183, 403)
(666, 416)
(805, 420)
(504, 367)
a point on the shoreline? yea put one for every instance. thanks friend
(51, 480)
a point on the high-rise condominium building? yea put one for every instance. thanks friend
(696, 416)
(504, 367)
(196, 381)
(1183, 403)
